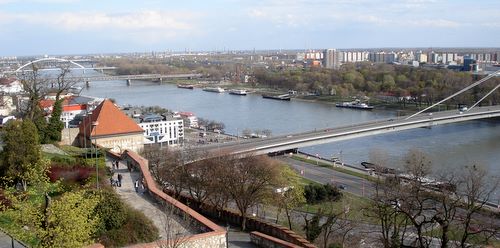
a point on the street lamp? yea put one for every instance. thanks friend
(95, 124)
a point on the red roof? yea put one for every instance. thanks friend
(48, 104)
(110, 121)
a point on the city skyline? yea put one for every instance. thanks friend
(38, 27)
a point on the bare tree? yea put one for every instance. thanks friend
(477, 190)
(176, 227)
(167, 166)
(249, 181)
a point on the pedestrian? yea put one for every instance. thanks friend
(136, 184)
(119, 180)
(117, 164)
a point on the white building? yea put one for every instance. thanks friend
(161, 130)
(10, 86)
(190, 120)
(331, 59)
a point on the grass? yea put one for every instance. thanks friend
(355, 205)
(338, 169)
(8, 226)
(455, 234)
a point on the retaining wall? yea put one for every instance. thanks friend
(211, 234)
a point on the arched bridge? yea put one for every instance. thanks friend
(328, 135)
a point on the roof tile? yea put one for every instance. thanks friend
(110, 121)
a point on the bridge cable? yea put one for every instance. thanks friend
(455, 94)
(480, 100)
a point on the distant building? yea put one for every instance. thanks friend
(74, 108)
(190, 120)
(470, 64)
(10, 86)
(331, 59)
(161, 129)
(383, 57)
(109, 127)
(421, 57)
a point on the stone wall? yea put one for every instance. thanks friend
(252, 224)
(212, 235)
(266, 241)
(68, 136)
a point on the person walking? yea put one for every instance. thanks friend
(136, 184)
(120, 177)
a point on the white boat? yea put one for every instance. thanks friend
(238, 92)
(355, 104)
(214, 89)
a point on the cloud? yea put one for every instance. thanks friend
(38, 1)
(152, 25)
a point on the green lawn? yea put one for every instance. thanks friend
(353, 205)
(339, 169)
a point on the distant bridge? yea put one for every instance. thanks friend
(281, 143)
(88, 79)
(129, 78)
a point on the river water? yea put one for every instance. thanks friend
(448, 146)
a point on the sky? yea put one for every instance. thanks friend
(57, 27)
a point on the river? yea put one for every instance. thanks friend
(448, 146)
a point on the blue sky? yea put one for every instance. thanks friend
(53, 27)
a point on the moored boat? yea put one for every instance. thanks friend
(355, 105)
(238, 92)
(185, 86)
(284, 97)
(214, 89)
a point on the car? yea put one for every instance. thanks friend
(342, 187)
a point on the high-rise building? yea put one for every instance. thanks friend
(331, 59)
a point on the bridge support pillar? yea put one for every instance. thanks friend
(129, 82)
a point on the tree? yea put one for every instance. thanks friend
(67, 222)
(22, 161)
(55, 125)
(477, 189)
(291, 193)
(36, 86)
(249, 181)
(175, 224)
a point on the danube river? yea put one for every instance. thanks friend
(448, 146)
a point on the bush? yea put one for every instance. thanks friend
(316, 193)
(111, 211)
(122, 225)
(75, 174)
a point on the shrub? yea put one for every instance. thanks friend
(111, 210)
(74, 174)
(122, 225)
(316, 193)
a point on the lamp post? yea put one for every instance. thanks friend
(95, 124)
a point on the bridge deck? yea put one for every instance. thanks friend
(328, 135)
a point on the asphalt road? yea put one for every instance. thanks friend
(352, 184)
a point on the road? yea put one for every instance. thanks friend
(328, 135)
(353, 184)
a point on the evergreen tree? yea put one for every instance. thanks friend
(55, 125)
(21, 154)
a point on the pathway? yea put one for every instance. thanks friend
(167, 224)
(154, 212)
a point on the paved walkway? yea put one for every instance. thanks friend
(156, 213)
(7, 241)
(167, 224)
